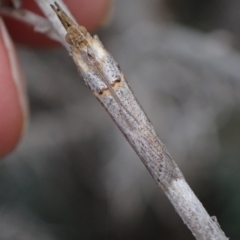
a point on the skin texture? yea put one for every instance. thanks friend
(13, 100)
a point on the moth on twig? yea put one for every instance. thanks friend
(105, 79)
(77, 36)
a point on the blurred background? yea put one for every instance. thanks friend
(74, 176)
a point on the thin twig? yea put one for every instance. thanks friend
(40, 24)
(104, 77)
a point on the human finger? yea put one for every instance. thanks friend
(89, 13)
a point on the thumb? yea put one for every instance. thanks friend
(13, 107)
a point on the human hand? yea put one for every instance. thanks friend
(13, 100)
